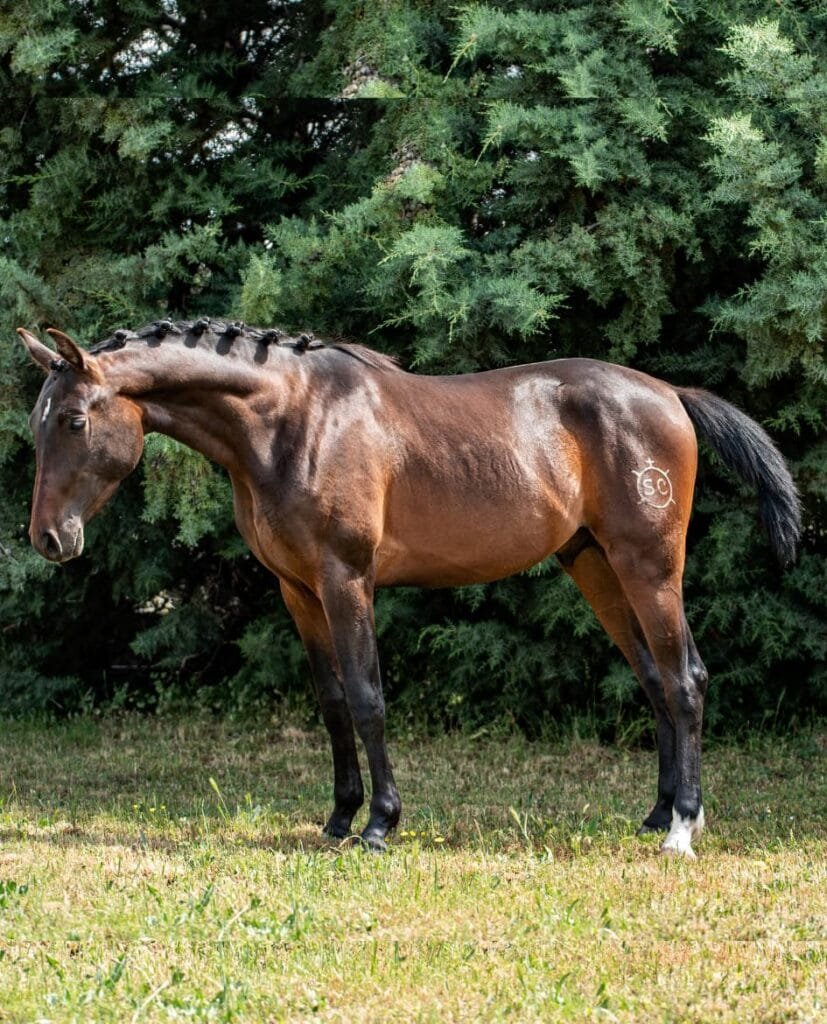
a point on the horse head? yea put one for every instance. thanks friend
(87, 437)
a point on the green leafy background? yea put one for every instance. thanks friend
(643, 181)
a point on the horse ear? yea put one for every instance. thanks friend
(43, 356)
(78, 358)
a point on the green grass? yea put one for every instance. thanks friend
(154, 870)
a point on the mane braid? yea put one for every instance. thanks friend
(304, 343)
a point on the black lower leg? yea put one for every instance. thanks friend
(348, 791)
(659, 818)
(349, 608)
(385, 805)
(688, 704)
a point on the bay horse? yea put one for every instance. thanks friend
(349, 473)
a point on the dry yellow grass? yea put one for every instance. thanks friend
(134, 889)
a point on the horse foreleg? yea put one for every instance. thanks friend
(348, 792)
(348, 603)
(587, 565)
(658, 604)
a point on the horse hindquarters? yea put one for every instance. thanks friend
(640, 447)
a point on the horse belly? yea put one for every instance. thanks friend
(455, 535)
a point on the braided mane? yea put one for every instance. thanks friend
(226, 332)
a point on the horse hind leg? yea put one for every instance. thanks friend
(660, 817)
(653, 588)
(585, 562)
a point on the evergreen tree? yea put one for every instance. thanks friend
(139, 145)
(643, 182)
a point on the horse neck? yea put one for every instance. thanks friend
(212, 403)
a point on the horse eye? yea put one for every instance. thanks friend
(77, 423)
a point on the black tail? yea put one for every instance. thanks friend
(747, 450)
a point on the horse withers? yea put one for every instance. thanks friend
(350, 474)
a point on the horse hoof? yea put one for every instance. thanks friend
(673, 851)
(648, 827)
(373, 843)
(337, 827)
(684, 831)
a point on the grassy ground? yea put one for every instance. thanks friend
(158, 871)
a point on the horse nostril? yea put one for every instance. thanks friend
(51, 544)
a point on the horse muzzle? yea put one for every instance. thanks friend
(58, 545)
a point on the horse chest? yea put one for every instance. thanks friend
(296, 535)
(258, 524)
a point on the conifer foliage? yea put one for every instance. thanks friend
(644, 182)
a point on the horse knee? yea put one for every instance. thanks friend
(368, 711)
(335, 712)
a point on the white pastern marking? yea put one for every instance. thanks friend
(654, 486)
(46, 410)
(682, 834)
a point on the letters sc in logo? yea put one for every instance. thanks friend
(654, 486)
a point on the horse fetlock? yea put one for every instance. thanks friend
(338, 826)
(659, 819)
(386, 808)
(339, 823)
(648, 827)
(348, 798)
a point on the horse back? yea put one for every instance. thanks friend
(497, 470)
